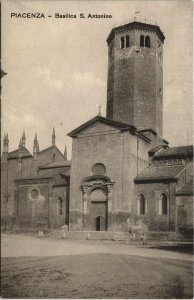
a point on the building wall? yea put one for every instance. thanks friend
(59, 220)
(47, 156)
(33, 214)
(152, 220)
(114, 151)
(54, 171)
(189, 172)
(42, 212)
(4, 187)
(184, 214)
(16, 170)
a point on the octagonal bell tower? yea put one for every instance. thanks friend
(135, 76)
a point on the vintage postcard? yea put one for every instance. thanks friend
(97, 149)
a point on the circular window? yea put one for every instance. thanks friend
(98, 169)
(34, 194)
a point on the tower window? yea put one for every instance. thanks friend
(142, 40)
(127, 41)
(141, 205)
(147, 42)
(122, 42)
(53, 156)
(163, 205)
(59, 206)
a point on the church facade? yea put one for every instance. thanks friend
(123, 176)
(34, 188)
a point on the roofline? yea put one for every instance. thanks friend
(22, 157)
(120, 125)
(151, 151)
(32, 178)
(49, 149)
(28, 154)
(165, 141)
(158, 179)
(176, 155)
(149, 129)
(172, 156)
(53, 167)
(56, 185)
(189, 193)
(145, 138)
(136, 25)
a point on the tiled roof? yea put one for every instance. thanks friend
(14, 154)
(156, 148)
(186, 189)
(154, 173)
(56, 164)
(179, 152)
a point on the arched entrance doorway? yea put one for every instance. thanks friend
(99, 209)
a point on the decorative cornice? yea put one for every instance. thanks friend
(136, 26)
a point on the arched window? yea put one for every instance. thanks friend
(141, 40)
(59, 206)
(141, 205)
(127, 41)
(163, 205)
(54, 157)
(147, 42)
(122, 42)
(98, 169)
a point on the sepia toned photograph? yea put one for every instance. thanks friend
(96, 149)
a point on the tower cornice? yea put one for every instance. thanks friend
(136, 25)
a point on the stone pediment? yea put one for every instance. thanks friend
(98, 128)
(100, 125)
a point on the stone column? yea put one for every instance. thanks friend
(85, 205)
(85, 190)
(50, 205)
(109, 202)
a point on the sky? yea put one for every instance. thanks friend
(57, 67)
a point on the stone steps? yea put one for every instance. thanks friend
(95, 235)
(111, 235)
(89, 235)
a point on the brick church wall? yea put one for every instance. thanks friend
(32, 215)
(60, 219)
(152, 219)
(135, 81)
(13, 170)
(113, 149)
(184, 213)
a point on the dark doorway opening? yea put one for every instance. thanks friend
(100, 223)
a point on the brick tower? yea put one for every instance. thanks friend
(135, 76)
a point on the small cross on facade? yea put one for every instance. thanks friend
(99, 107)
